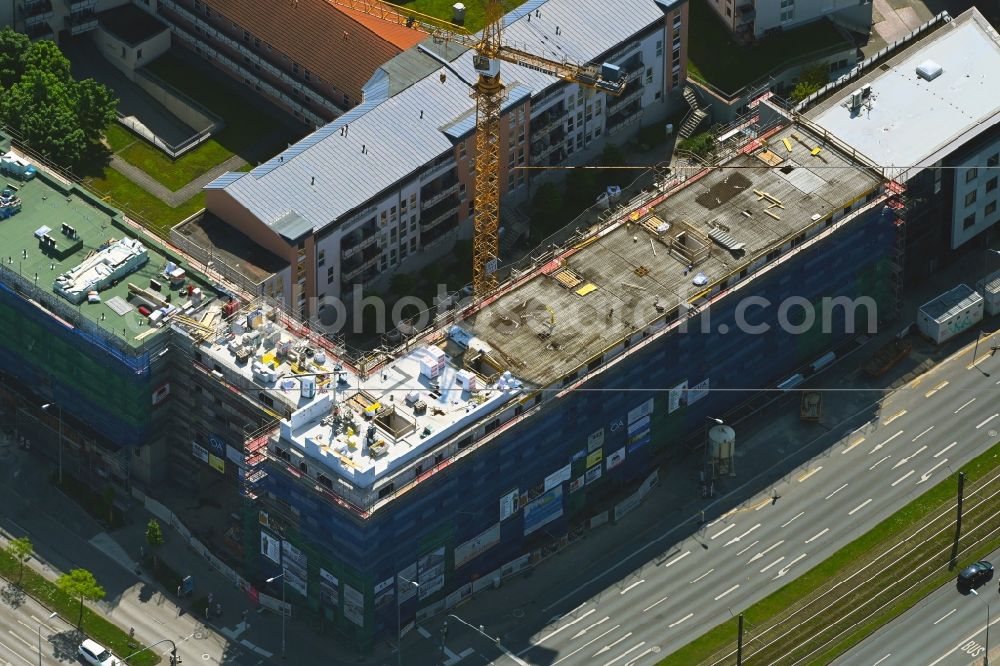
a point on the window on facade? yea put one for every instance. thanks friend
(659, 47)
(308, 75)
(413, 245)
(461, 151)
(138, 54)
(993, 160)
(321, 258)
(676, 57)
(246, 33)
(649, 74)
(969, 221)
(787, 15)
(991, 184)
(970, 198)
(729, 12)
(256, 42)
(675, 80)
(971, 174)
(329, 274)
(991, 208)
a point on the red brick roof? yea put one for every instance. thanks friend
(341, 46)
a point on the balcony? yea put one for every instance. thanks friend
(40, 30)
(427, 202)
(437, 170)
(548, 121)
(82, 21)
(745, 15)
(358, 239)
(435, 216)
(632, 93)
(438, 229)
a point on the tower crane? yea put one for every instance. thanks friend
(489, 50)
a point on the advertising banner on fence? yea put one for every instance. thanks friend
(508, 504)
(477, 545)
(543, 510)
(431, 568)
(645, 409)
(199, 452)
(295, 563)
(576, 485)
(384, 592)
(354, 605)
(557, 477)
(593, 474)
(614, 459)
(217, 463)
(677, 397)
(595, 440)
(329, 589)
(595, 458)
(698, 391)
(270, 547)
(406, 588)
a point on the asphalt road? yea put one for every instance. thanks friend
(945, 629)
(19, 633)
(923, 432)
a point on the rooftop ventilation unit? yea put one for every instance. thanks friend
(929, 70)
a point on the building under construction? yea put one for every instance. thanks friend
(451, 460)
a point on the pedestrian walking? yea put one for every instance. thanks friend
(178, 590)
(206, 611)
(244, 616)
(210, 597)
(218, 610)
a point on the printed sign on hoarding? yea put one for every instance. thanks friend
(543, 510)
(593, 474)
(615, 459)
(576, 485)
(638, 426)
(407, 577)
(508, 504)
(354, 605)
(645, 409)
(431, 568)
(479, 544)
(270, 547)
(595, 458)
(329, 589)
(595, 440)
(199, 452)
(698, 391)
(217, 463)
(557, 477)
(677, 397)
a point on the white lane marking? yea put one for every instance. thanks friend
(722, 531)
(817, 535)
(611, 645)
(879, 446)
(965, 405)
(852, 445)
(585, 645)
(727, 591)
(625, 653)
(596, 624)
(655, 604)
(903, 461)
(564, 627)
(423, 632)
(962, 642)
(895, 416)
(16, 654)
(677, 559)
(703, 575)
(747, 548)
(987, 421)
(943, 617)
(790, 521)
(923, 433)
(878, 463)
(809, 473)
(635, 584)
(901, 479)
(882, 659)
(936, 389)
(784, 569)
(735, 539)
(836, 491)
(11, 632)
(642, 654)
(686, 617)
(859, 507)
(772, 564)
(945, 449)
(926, 475)
(764, 552)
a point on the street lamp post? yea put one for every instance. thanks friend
(986, 657)
(51, 617)
(283, 608)
(59, 407)
(174, 659)
(481, 630)
(709, 469)
(399, 622)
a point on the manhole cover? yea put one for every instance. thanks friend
(200, 635)
(517, 612)
(992, 433)
(206, 656)
(655, 649)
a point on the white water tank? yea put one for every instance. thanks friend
(721, 442)
(308, 387)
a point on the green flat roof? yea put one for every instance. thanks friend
(43, 204)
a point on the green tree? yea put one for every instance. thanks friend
(95, 108)
(80, 583)
(13, 46)
(701, 145)
(154, 537)
(45, 56)
(21, 549)
(811, 80)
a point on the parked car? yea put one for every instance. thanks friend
(975, 575)
(95, 654)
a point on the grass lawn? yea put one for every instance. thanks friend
(93, 624)
(474, 15)
(252, 131)
(714, 57)
(140, 204)
(829, 607)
